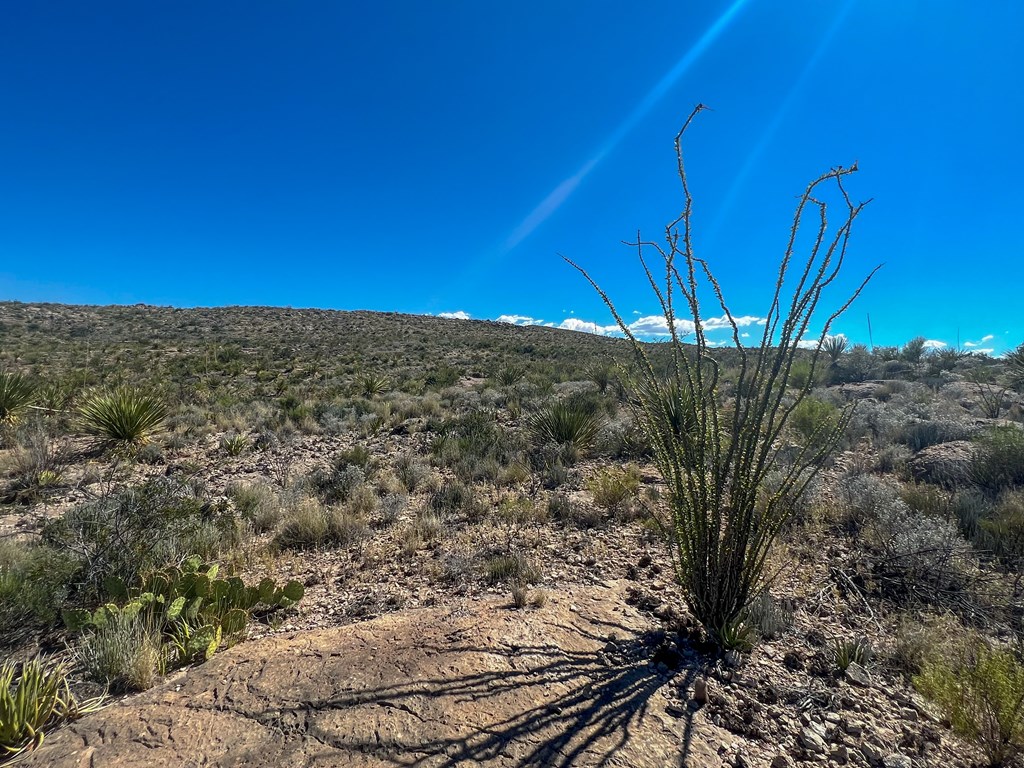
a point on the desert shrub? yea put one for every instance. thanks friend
(572, 422)
(510, 568)
(856, 365)
(980, 689)
(257, 504)
(923, 434)
(802, 375)
(614, 486)
(34, 581)
(391, 507)
(862, 499)
(813, 419)
(1001, 532)
(475, 446)
(34, 698)
(140, 528)
(1015, 365)
(411, 471)
(443, 375)
(336, 483)
(36, 466)
(126, 653)
(969, 508)
(551, 461)
(926, 499)
(767, 616)
(363, 502)
(455, 498)
(719, 532)
(913, 350)
(913, 642)
(310, 525)
(123, 417)
(920, 559)
(999, 461)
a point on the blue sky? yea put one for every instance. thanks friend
(438, 157)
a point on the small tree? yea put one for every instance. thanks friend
(721, 520)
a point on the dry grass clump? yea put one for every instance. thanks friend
(311, 525)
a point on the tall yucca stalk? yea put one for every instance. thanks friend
(719, 524)
(125, 417)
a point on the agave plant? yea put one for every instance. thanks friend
(16, 394)
(34, 696)
(125, 417)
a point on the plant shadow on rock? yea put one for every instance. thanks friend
(604, 695)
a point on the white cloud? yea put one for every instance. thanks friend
(460, 315)
(519, 320)
(813, 342)
(575, 324)
(643, 326)
(935, 344)
(985, 351)
(972, 344)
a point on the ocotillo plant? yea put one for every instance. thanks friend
(721, 516)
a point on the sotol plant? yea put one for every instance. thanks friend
(16, 394)
(124, 417)
(719, 534)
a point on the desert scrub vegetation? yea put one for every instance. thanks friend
(719, 534)
(980, 689)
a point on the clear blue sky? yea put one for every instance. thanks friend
(436, 157)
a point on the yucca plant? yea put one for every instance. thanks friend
(34, 697)
(570, 422)
(1015, 363)
(372, 384)
(124, 417)
(833, 347)
(16, 394)
(720, 532)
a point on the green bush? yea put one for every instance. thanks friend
(980, 689)
(123, 417)
(814, 420)
(1001, 532)
(138, 529)
(476, 446)
(613, 487)
(999, 461)
(34, 581)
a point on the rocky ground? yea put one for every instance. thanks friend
(590, 678)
